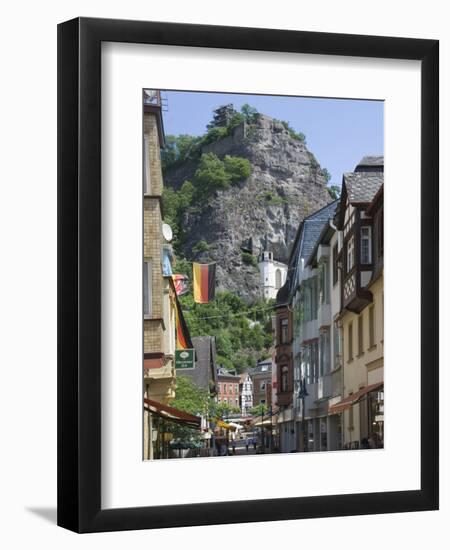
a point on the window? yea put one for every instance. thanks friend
(360, 335)
(314, 298)
(350, 342)
(284, 331)
(262, 386)
(323, 283)
(335, 264)
(366, 245)
(337, 346)
(324, 353)
(371, 326)
(306, 364)
(326, 282)
(278, 278)
(236, 389)
(350, 253)
(284, 378)
(147, 288)
(315, 360)
(147, 181)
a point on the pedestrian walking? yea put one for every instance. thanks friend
(254, 443)
(246, 444)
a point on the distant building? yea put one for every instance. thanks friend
(246, 393)
(228, 388)
(204, 375)
(262, 383)
(272, 274)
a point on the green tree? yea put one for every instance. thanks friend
(248, 258)
(334, 191)
(299, 136)
(189, 397)
(259, 410)
(193, 400)
(201, 246)
(238, 168)
(224, 410)
(210, 175)
(326, 175)
(216, 133)
(250, 113)
(178, 149)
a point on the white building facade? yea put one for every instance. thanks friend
(272, 274)
(246, 393)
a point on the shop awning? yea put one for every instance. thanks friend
(353, 398)
(170, 413)
(225, 425)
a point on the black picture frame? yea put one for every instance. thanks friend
(79, 274)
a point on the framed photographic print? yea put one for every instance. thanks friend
(248, 315)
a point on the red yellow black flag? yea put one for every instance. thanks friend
(183, 337)
(204, 282)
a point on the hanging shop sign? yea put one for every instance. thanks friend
(185, 359)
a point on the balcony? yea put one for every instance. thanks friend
(354, 296)
(324, 387)
(284, 398)
(324, 315)
(309, 330)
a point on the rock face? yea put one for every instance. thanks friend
(286, 185)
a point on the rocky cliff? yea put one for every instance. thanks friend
(286, 184)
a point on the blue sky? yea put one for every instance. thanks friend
(338, 131)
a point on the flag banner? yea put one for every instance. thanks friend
(183, 336)
(204, 282)
(181, 283)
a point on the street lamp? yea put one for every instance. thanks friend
(302, 393)
(270, 413)
(262, 428)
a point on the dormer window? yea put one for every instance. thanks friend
(366, 245)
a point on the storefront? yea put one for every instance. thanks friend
(363, 417)
(161, 420)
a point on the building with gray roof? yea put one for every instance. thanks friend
(204, 375)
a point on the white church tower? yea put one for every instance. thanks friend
(272, 274)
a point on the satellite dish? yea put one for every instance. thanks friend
(167, 232)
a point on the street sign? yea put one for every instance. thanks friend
(184, 359)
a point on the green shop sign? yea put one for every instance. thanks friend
(184, 359)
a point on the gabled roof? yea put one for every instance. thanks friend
(205, 369)
(362, 186)
(371, 163)
(312, 228)
(307, 234)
